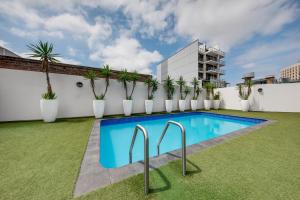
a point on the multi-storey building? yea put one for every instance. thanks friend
(291, 72)
(194, 60)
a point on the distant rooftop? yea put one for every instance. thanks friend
(6, 52)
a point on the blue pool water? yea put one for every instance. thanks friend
(116, 134)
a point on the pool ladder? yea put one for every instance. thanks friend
(146, 149)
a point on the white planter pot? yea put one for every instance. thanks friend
(245, 105)
(98, 108)
(127, 107)
(182, 105)
(194, 104)
(169, 105)
(149, 106)
(207, 104)
(216, 104)
(49, 109)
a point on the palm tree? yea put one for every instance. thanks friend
(181, 84)
(186, 91)
(44, 51)
(209, 89)
(244, 95)
(134, 78)
(169, 87)
(152, 86)
(106, 73)
(92, 76)
(195, 84)
(198, 91)
(124, 77)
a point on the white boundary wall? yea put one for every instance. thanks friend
(274, 97)
(20, 94)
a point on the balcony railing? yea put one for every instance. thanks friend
(222, 62)
(216, 71)
(217, 51)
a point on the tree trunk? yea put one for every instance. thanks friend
(106, 86)
(125, 87)
(46, 67)
(133, 86)
(93, 88)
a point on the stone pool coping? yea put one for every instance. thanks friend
(93, 176)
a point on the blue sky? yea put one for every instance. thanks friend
(260, 36)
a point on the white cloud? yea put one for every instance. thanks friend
(127, 53)
(72, 51)
(228, 23)
(55, 25)
(17, 10)
(267, 51)
(68, 61)
(79, 27)
(35, 33)
(60, 59)
(3, 43)
(269, 57)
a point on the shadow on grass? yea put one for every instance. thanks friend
(189, 172)
(167, 185)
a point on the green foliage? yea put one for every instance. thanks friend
(49, 96)
(187, 90)
(44, 51)
(106, 73)
(196, 88)
(181, 83)
(124, 77)
(209, 90)
(245, 89)
(198, 91)
(92, 76)
(134, 78)
(217, 96)
(169, 87)
(152, 86)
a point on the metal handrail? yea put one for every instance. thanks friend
(183, 143)
(146, 154)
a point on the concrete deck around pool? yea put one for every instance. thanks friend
(93, 176)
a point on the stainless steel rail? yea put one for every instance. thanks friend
(146, 154)
(183, 143)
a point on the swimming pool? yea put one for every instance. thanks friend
(116, 134)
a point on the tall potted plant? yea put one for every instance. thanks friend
(181, 83)
(207, 102)
(125, 78)
(244, 93)
(99, 102)
(49, 102)
(186, 91)
(196, 93)
(170, 89)
(152, 86)
(216, 100)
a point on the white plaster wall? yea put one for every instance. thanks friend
(184, 63)
(20, 93)
(275, 97)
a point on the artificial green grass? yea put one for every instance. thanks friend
(41, 161)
